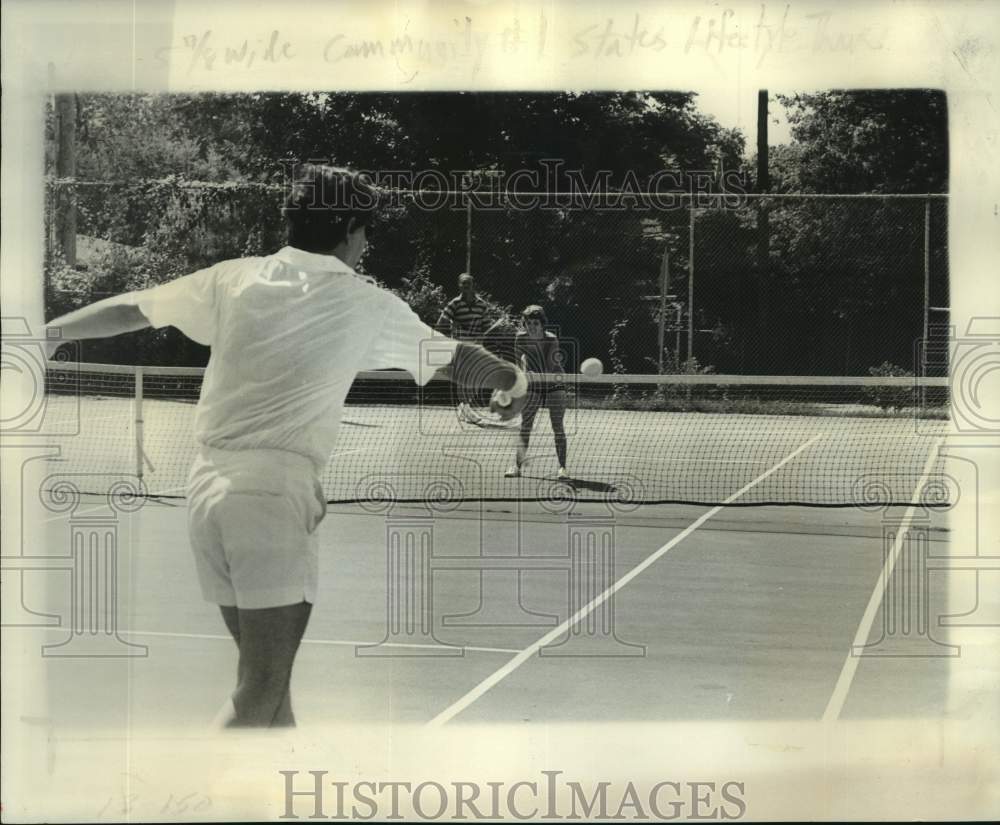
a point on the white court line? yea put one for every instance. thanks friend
(335, 642)
(652, 457)
(522, 656)
(843, 686)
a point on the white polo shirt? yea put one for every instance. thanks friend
(288, 333)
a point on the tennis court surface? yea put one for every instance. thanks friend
(450, 594)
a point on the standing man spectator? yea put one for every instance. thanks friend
(464, 317)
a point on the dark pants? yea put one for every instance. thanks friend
(553, 398)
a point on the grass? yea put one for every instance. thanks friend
(720, 399)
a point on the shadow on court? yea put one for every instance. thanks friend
(574, 484)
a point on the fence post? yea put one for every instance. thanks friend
(927, 278)
(468, 235)
(65, 199)
(678, 322)
(664, 288)
(690, 354)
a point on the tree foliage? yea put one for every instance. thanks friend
(188, 180)
(892, 141)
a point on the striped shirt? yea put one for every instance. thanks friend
(466, 319)
(288, 333)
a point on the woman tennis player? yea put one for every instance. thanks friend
(288, 333)
(537, 351)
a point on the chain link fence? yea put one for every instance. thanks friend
(770, 285)
(817, 285)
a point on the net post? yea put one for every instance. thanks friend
(927, 278)
(138, 422)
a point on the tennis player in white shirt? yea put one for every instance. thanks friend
(288, 333)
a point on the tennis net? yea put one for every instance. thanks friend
(704, 439)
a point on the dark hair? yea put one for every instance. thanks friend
(321, 204)
(533, 313)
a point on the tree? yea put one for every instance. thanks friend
(849, 273)
(569, 258)
(887, 141)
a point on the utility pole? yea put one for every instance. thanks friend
(764, 233)
(763, 177)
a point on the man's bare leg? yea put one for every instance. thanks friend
(268, 640)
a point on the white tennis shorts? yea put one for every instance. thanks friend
(252, 519)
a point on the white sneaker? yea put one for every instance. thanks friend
(562, 475)
(513, 472)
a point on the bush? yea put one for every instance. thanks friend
(425, 298)
(890, 398)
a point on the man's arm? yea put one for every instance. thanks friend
(401, 344)
(472, 366)
(446, 323)
(112, 316)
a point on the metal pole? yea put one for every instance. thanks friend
(66, 169)
(664, 282)
(468, 236)
(756, 330)
(678, 323)
(927, 281)
(138, 422)
(690, 353)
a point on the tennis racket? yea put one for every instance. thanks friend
(475, 408)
